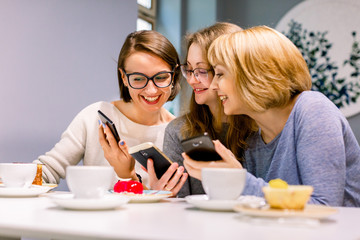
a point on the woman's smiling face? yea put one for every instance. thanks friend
(150, 98)
(195, 60)
(224, 84)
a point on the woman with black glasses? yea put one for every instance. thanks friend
(148, 76)
(205, 114)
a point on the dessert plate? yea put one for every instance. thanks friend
(32, 191)
(203, 202)
(310, 211)
(109, 201)
(148, 196)
(50, 185)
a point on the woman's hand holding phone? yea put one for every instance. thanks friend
(193, 167)
(172, 180)
(117, 154)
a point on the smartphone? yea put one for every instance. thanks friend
(146, 150)
(200, 148)
(104, 119)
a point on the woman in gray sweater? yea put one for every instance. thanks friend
(205, 114)
(303, 137)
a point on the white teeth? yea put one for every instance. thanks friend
(151, 99)
(199, 89)
(222, 98)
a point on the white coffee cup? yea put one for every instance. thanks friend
(89, 181)
(223, 183)
(18, 175)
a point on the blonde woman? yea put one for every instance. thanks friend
(303, 138)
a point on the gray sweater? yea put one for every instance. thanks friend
(316, 147)
(173, 149)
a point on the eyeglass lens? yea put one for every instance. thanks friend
(140, 81)
(199, 73)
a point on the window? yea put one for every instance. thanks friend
(146, 15)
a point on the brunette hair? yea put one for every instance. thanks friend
(268, 68)
(154, 43)
(199, 119)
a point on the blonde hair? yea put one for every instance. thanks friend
(268, 68)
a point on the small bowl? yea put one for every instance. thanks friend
(293, 197)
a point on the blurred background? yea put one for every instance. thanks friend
(58, 56)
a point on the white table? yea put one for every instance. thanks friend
(39, 218)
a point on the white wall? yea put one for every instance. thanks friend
(56, 57)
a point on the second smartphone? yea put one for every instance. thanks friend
(147, 150)
(200, 148)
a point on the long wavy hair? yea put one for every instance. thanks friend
(199, 119)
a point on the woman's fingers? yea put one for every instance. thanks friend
(108, 141)
(151, 171)
(102, 139)
(229, 159)
(124, 148)
(116, 154)
(110, 137)
(192, 167)
(174, 179)
(222, 150)
(197, 164)
(179, 185)
(167, 175)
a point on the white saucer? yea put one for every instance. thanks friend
(109, 201)
(32, 191)
(310, 211)
(203, 202)
(148, 196)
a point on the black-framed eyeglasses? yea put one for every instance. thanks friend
(201, 74)
(138, 80)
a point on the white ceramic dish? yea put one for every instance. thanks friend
(148, 196)
(32, 191)
(310, 211)
(109, 201)
(203, 202)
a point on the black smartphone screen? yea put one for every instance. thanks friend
(200, 148)
(148, 150)
(104, 119)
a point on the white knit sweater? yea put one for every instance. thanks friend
(81, 141)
